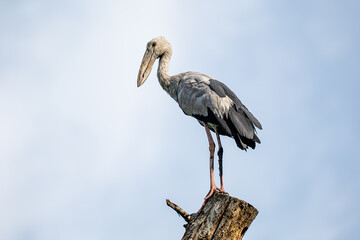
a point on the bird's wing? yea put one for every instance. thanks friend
(211, 101)
(197, 92)
(195, 96)
(223, 91)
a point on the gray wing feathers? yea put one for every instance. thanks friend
(242, 124)
(222, 90)
(251, 117)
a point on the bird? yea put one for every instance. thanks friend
(208, 100)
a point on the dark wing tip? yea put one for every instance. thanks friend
(256, 139)
(251, 117)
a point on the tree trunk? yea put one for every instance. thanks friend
(222, 218)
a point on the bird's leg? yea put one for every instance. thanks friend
(212, 178)
(220, 155)
(212, 150)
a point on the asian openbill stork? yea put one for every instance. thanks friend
(211, 102)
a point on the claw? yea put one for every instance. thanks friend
(222, 190)
(210, 193)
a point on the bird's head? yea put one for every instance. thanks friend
(154, 49)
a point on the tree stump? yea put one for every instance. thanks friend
(222, 218)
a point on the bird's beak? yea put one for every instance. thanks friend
(146, 66)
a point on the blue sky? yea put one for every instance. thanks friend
(84, 154)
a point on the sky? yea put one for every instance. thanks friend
(85, 154)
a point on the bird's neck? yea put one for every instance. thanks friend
(162, 73)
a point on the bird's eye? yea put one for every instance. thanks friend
(154, 44)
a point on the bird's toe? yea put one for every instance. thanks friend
(222, 190)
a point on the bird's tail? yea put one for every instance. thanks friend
(242, 129)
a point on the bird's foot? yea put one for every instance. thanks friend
(213, 189)
(210, 193)
(222, 190)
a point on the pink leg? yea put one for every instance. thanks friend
(212, 150)
(212, 178)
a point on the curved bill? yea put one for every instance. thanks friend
(146, 66)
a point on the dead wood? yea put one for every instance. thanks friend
(222, 218)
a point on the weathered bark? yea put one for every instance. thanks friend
(222, 218)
